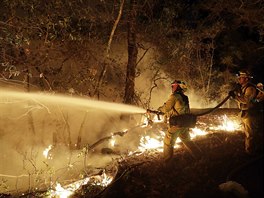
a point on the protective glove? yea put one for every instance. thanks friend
(161, 108)
(232, 94)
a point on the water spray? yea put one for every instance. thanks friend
(72, 101)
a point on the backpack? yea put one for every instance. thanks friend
(183, 120)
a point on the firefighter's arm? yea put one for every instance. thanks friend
(249, 95)
(166, 107)
(161, 108)
(260, 97)
(169, 104)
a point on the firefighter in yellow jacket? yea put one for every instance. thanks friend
(177, 104)
(260, 96)
(251, 114)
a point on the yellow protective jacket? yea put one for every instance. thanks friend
(260, 96)
(177, 104)
(246, 97)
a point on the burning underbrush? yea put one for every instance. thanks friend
(223, 170)
(137, 169)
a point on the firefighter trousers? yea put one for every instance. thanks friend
(253, 129)
(170, 138)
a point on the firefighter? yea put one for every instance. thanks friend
(260, 96)
(177, 104)
(251, 115)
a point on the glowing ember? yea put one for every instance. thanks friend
(68, 190)
(102, 180)
(61, 192)
(65, 192)
(46, 152)
(147, 142)
(196, 132)
(227, 124)
(112, 142)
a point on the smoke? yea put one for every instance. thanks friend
(157, 91)
(161, 92)
(31, 122)
(150, 69)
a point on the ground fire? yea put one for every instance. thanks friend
(152, 143)
(124, 163)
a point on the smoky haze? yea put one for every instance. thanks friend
(31, 122)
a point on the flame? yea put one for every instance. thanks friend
(102, 180)
(46, 152)
(65, 192)
(227, 124)
(197, 132)
(112, 142)
(68, 190)
(61, 192)
(148, 143)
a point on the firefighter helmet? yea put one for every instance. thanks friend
(179, 83)
(244, 74)
(260, 85)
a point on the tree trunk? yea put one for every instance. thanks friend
(132, 55)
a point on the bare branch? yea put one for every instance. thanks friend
(101, 77)
(142, 56)
(114, 28)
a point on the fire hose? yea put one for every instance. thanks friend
(189, 119)
(184, 120)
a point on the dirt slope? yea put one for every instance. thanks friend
(223, 158)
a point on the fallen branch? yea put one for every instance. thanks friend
(120, 133)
